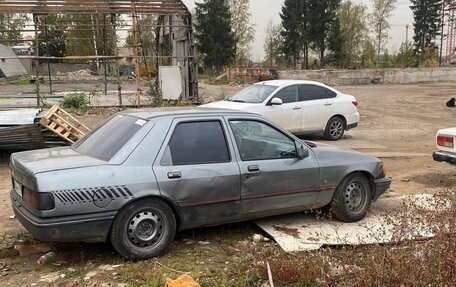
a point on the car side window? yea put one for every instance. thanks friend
(330, 94)
(197, 143)
(259, 141)
(311, 92)
(288, 94)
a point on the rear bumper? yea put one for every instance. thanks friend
(381, 186)
(77, 228)
(443, 156)
(352, 126)
(352, 120)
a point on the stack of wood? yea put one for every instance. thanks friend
(29, 129)
(63, 124)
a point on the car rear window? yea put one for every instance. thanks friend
(104, 142)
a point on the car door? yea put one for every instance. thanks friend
(272, 175)
(196, 170)
(317, 107)
(289, 114)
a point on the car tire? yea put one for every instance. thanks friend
(352, 198)
(335, 129)
(143, 229)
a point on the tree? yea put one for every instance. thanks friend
(213, 32)
(321, 19)
(273, 43)
(146, 36)
(90, 35)
(11, 26)
(368, 57)
(382, 10)
(427, 16)
(51, 38)
(353, 24)
(243, 30)
(336, 44)
(406, 57)
(293, 32)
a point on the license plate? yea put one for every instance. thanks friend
(18, 188)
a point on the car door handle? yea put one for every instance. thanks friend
(174, 174)
(253, 168)
(328, 104)
(296, 108)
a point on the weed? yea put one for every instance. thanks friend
(154, 95)
(71, 273)
(77, 100)
(19, 81)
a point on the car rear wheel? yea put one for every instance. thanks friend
(352, 198)
(335, 129)
(143, 229)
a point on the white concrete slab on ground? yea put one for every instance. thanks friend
(389, 219)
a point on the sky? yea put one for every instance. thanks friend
(265, 11)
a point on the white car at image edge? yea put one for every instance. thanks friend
(446, 145)
(302, 107)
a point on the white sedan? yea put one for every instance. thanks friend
(302, 107)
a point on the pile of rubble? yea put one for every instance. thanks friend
(76, 75)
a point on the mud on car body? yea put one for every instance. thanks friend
(143, 175)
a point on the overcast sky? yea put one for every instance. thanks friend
(264, 11)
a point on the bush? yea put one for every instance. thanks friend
(75, 101)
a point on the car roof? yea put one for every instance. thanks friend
(280, 83)
(164, 112)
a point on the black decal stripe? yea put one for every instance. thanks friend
(71, 193)
(113, 191)
(127, 190)
(64, 195)
(79, 195)
(83, 192)
(60, 198)
(101, 192)
(121, 191)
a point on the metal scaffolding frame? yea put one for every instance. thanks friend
(163, 9)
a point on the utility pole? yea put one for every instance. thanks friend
(406, 33)
(441, 35)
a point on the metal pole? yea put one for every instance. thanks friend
(135, 52)
(37, 62)
(441, 35)
(406, 33)
(48, 54)
(116, 53)
(104, 54)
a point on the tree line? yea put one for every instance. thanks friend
(321, 33)
(311, 34)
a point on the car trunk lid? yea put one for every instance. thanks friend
(24, 165)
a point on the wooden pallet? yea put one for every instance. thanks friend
(63, 124)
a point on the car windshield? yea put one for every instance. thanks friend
(253, 94)
(104, 142)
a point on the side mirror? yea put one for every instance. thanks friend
(303, 151)
(276, 102)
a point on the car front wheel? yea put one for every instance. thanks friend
(143, 229)
(335, 129)
(352, 198)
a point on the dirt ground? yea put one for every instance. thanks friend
(398, 124)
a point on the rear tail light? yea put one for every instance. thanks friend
(355, 103)
(445, 141)
(38, 200)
